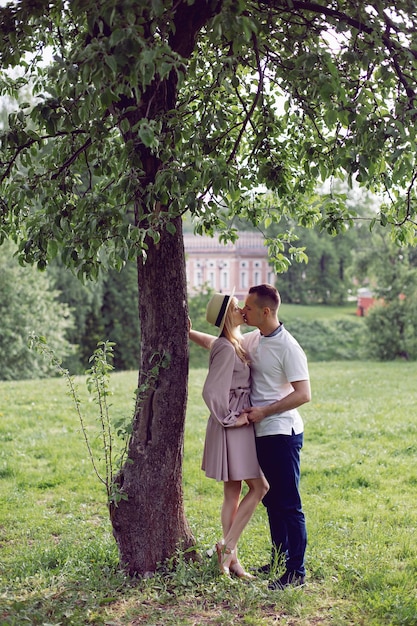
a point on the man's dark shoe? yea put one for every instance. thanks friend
(289, 579)
(264, 569)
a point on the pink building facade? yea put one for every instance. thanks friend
(224, 266)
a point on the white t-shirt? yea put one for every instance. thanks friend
(275, 362)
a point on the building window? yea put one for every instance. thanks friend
(224, 281)
(257, 278)
(244, 280)
(211, 280)
(223, 275)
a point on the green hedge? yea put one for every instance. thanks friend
(331, 340)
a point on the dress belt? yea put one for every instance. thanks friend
(239, 391)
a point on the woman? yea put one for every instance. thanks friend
(229, 448)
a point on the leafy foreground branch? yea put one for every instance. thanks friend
(139, 442)
(98, 385)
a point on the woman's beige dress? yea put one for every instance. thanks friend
(229, 452)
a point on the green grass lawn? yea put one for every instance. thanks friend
(58, 560)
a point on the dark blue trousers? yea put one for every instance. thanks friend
(279, 458)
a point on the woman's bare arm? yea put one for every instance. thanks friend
(204, 340)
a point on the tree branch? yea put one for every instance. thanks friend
(254, 103)
(72, 158)
(394, 47)
(19, 149)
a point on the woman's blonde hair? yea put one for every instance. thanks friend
(233, 334)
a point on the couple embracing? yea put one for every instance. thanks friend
(254, 386)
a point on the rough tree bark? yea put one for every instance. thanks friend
(151, 524)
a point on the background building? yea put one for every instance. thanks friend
(365, 300)
(224, 266)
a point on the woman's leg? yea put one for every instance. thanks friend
(258, 488)
(235, 516)
(231, 493)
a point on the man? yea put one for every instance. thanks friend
(280, 384)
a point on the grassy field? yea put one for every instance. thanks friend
(58, 560)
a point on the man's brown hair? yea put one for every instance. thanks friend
(267, 296)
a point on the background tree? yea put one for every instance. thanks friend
(152, 108)
(85, 300)
(197, 311)
(119, 314)
(327, 277)
(391, 275)
(28, 304)
(323, 279)
(107, 307)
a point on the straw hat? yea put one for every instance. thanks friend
(217, 309)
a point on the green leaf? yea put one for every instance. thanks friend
(111, 62)
(52, 248)
(157, 7)
(147, 136)
(171, 228)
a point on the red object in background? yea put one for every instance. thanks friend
(364, 302)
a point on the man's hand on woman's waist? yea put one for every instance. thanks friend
(296, 398)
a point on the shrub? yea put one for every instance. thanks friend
(331, 340)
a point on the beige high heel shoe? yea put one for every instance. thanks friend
(237, 570)
(224, 557)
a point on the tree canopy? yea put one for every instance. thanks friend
(278, 94)
(128, 114)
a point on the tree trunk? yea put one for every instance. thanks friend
(150, 524)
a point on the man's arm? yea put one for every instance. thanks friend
(300, 395)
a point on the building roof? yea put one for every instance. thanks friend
(248, 242)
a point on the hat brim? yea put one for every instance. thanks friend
(226, 310)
